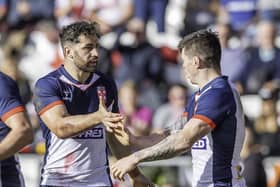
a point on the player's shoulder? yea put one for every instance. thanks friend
(221, 82)
(217, 90)
(5, 78)
(49, 79)
(6, 82)
(221, 86)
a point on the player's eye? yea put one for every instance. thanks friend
(88, 48)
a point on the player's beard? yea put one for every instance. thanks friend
(83, 65)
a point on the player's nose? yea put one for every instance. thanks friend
(94, 52)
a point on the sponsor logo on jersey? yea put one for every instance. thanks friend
(96, 133)
(67, 95)
(200, 144)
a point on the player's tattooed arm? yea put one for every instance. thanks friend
(141, 142)
(175, 144)
(163, 150)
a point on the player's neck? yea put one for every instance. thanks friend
(207, 76)
(76, 73)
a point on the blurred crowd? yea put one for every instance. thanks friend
(139, 49)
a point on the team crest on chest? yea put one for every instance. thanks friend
(101, 92)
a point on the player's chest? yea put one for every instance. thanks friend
(79, 101)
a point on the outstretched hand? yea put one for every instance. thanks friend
(123, 166)
(121, 134)
(109, 119)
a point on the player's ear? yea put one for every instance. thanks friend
(68, 52)
(196, 61)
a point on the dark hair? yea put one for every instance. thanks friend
(205, 44)
(71, 33)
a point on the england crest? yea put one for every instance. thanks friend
(101, 92)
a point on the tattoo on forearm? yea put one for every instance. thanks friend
(163, 150)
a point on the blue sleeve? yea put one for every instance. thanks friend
(213, 106)
(46, 95)
(10, 101)
(223, 2)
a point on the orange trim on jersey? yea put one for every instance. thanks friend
(12, 112)
(49, 106)
(205, 119)
(185, 114)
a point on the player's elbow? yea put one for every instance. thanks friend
(26, 134)
(184, 144)
(29, 135)
(62, 131)
(61, 134)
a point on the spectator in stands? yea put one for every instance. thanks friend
(263, 66)
(143, 58)
(168, 114)
(239, 13)
(111, 15)
(253, 171)
(137, 118)
(40, 51)
(28, 12)
(146, 9)
(233, 69)
(138, 55)
(199, 15)
(269, 10)
(3, 13)
(267, 124)
(12, 53)
(67, 12)
(147, 62)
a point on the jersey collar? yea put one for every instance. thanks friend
(68, 79)
(209, 84)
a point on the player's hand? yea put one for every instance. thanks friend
(121, 135)
(131, 138)
(109, 119)
(123, 166)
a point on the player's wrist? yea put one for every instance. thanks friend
(136, 158)
(97, 116)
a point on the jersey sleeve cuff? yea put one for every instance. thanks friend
(12, 112)
(206, 120)
(49, 106)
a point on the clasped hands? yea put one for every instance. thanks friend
(114, 123)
